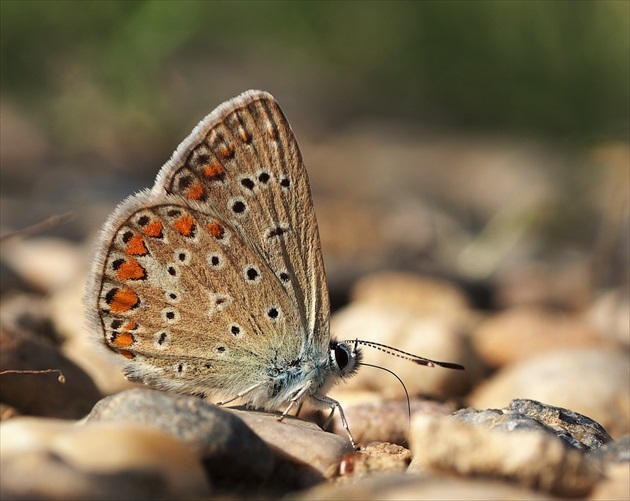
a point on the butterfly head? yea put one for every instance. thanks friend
(344, 358)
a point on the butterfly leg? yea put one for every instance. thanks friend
(334, 404)
(242, 393)
(299, 409)
(295, 399)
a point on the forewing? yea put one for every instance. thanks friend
(243, 162)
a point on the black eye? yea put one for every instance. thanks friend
(341, 357)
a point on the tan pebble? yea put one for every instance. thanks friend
(595, 383)
(46, 263)
(101, 449)
(417, 293)
(528, 458)
(499, 338)
(610, 315)
(302, 440)
(615, 485)
(401, 486)
(375, 457)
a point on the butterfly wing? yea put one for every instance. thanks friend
(244, 161)
(202, 283)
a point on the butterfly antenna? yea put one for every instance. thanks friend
(404, 388)
(404, 355)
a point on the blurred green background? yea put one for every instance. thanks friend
(96, 96)
(546, 67)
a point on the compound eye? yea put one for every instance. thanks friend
(341, 356)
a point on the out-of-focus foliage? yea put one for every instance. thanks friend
(558, 68)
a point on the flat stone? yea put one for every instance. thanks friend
(529, 458)
(52, 459)
(402, 486)
(231, 451)
(385, 421)
(616, 484)
(376, 457)
(593, 382)
(307, 454)
(499, 338)
(573, 428)
(42, 394)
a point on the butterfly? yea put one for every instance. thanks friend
(213, 281)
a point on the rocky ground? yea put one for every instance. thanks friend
(542, 410)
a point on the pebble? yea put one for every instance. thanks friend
(386, 421)
(498, 339)
(595, 383)
(46, 263)
(54, 459)
(376, 457)
(42, 394)
(230, 450)
(302, 441)
(529, 458)
(244, 448)
(420, 294)
(400, 486)
(610, 315)
(575, 429)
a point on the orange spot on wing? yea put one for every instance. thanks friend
(227, 152)
(123, 301)
(185, 225)
(153, 229)
(136, 246)
(131, 326)
(216, 230)
(195, 192)
(131, 270)
(245, 136)
(123, 340)
(127, 354)
(213, 170)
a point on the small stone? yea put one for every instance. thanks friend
(387, 421)
(498, 339)
(420, 294)
(595, 383)
(42, 394)
(610, 315)
(230, 450)
(50, 459)
(376, 457)
(413, 487)
(300, 440)
(615, 485)
(574, 429)
(45, 263)
(530, 458)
